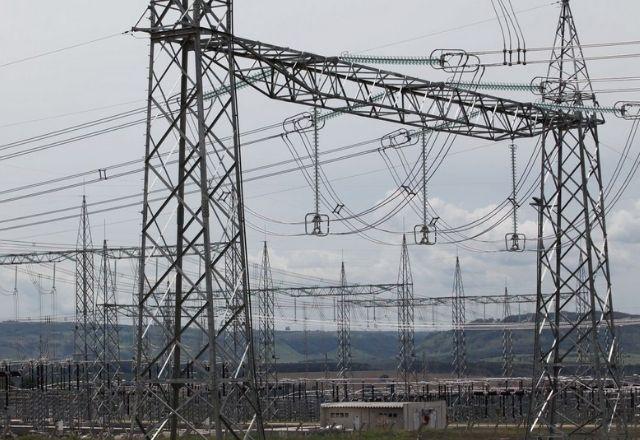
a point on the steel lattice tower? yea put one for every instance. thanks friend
(343, 321)
(85, 329)
(582, 307)
(107, 378)
(266, 336)
(205, 385)
(406, 337)
(507, 337)
(234, 339)
(458, 318)
(571, 225)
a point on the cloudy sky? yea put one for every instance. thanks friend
(108, 76)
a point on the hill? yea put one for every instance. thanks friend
(371, 350)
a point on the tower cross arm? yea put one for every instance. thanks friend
(114, 253)
(289, 75)
(351, 290)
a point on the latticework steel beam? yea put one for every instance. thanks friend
(289, 75)
(354, 290)
(113, 253)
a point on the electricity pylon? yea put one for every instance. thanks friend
(583, 300)
(406, 331)
(266, 332)
(571, 238)
(204, 385)
(85, 329)
(507, 337)
(193, 48)
(458, 318)
(343, 321)
(108, 375)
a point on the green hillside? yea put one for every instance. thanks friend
(373, 350)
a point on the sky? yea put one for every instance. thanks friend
(108, 75)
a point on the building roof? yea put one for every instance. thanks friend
(387, 405)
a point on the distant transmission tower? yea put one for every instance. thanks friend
(107, 379)
(507, 337)
(571, 225)
(406, 336)
(343, 321)
(234, 340)
(85, 326)
(85, 330)
(458, 320)
(266, 329)
(583, 300)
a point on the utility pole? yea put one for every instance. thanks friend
(206, 139)
(572, 236)
(343, 321)
(406, 336)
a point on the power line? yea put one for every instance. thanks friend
(62, 49)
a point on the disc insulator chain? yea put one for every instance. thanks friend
(425, 233)
(514, 241)
(315, 223)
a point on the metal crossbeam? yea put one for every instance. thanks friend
(350, 290)
(294, 76)
(113, 253)
(421, 301)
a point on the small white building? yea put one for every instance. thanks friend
(409, 416)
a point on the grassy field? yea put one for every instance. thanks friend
(476, 433)
(445, 434)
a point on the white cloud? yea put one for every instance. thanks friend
(624, 224)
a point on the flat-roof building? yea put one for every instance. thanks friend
(409, 416)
